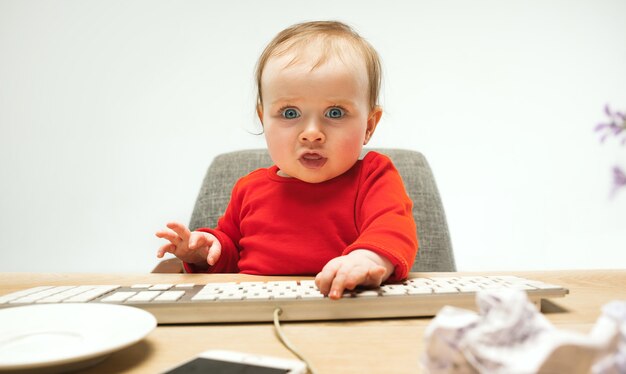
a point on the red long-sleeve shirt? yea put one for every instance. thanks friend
(284, 226)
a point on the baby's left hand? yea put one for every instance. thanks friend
(360, 267)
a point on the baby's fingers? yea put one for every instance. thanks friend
(166, 248)
(334, 280)
(198, 240)
(374, 277)
(214, 253)
(325, 278)
(348, 277)
(169, 235)
(180, 229)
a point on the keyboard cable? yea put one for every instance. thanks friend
(283, 339)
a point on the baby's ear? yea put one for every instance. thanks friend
(259, 112)
(372, 122)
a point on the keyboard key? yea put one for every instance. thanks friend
(283, 284)
(546, 286)
(308, 284)
(419, 291)
(253, 284)
(393, 291)
(144, 296)
(231, 296)
(366, 293)
(185, 285)
(161, 287)
(204, 297)
(312, 295)
(470, 288)
(57, 298)
(93, 293)
(19, 294)
(170, 296)
(222, 285)
(520, 286)
(285, 296)
(33, 297)
(443, 290)
(258, 296)
(142, 285)
(118, 297)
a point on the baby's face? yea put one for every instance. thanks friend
(316, 121)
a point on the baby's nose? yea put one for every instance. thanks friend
(312, 133)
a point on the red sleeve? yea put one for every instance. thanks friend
(384, 215)
(228, 234)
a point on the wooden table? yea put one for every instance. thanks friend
(373, 346)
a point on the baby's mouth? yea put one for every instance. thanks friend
(312, 160)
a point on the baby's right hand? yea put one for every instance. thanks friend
(196, 247)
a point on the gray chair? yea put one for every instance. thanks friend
(435, 248)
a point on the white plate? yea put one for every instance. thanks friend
(68, 335)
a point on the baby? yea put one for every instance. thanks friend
(319, 210)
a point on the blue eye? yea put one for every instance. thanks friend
(335, 113)
(290, 113)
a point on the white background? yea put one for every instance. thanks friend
(110, 112)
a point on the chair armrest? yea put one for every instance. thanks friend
(172, 265)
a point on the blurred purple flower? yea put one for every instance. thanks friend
(619, 179)
(616, 125)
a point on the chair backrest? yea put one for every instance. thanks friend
(435, 248)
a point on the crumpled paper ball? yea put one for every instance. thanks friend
(509, 335)
(614, 362)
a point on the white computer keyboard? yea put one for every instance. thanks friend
(298, 300)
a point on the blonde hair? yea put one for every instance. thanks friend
(328, 33)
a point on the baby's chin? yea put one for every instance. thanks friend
(308, 177)
(317, 180)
